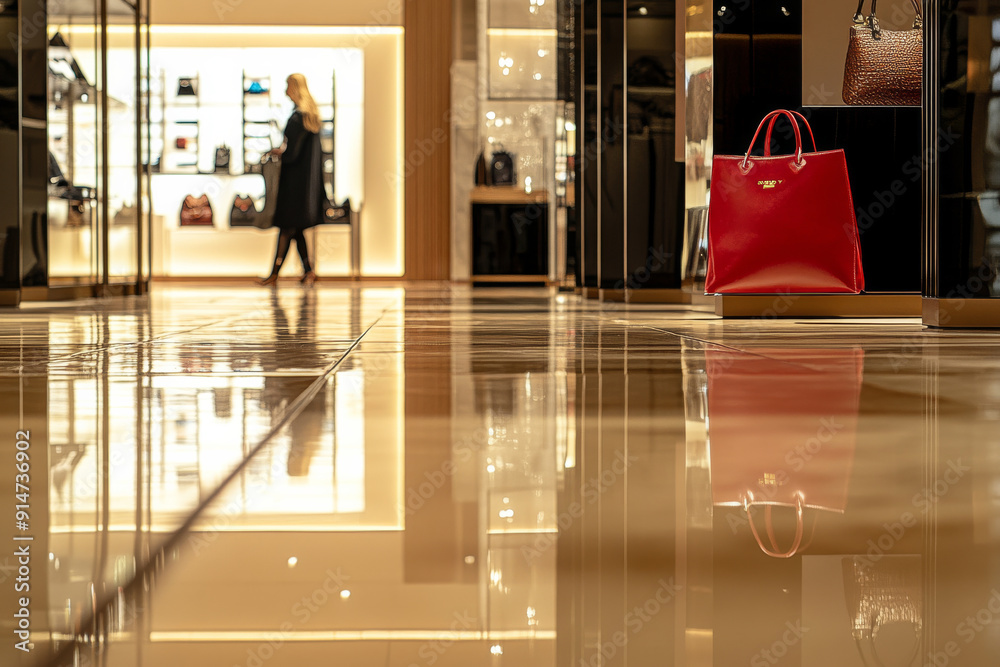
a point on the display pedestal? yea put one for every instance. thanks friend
(702, 301)
(611, 295)
(961, 313)
(667, 296)
(780, 306)
(510, 235)
(651, 296)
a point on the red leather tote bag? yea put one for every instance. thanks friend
(782, 224)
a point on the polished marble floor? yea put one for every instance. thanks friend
(394, 476)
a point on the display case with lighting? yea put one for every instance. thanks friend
(242, 112)
(515, 236)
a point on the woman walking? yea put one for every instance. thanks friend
(301, 195)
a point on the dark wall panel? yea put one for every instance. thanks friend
(655, 181)
(966, 232)
(612, 184)
(10, 234)
(590, 150)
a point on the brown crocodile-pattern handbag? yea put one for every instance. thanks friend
(884, 67)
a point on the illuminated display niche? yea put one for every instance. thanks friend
(361, 66)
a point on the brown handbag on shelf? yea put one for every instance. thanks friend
(196, 212)
(244, 212)
(884, 67)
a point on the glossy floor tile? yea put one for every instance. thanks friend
(435, 475)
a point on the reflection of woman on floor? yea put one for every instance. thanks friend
(299, 350)
(301, 195)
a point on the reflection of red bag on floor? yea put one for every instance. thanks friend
(782, 426)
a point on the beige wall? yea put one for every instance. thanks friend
(270, 12)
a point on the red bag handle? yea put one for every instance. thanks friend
(795, 127)
(799, 528)
(774, 119)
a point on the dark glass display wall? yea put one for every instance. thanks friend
(611, 224)
(758, 68)
(588, 155)
(631, 184)
(962, 135)
(654, 182)
(77, 221)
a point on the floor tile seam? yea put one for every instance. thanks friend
(733, 348)
(286, 417)
(152, 340)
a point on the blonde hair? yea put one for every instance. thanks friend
(298, 91)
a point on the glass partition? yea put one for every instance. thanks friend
(96, 103)
(74, 143)
(123, 156)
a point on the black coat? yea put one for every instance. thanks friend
(301, 195)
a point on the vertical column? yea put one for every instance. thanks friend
(426, 141)
(612, 221)
(961, 282)
(655, 180)
(698, 130)
(589, 153)
(10, 163)
(34, 144)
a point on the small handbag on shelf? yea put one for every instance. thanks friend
(222, 159)
(196, 212)
(502, 168)
(782, 224)
(884, 67)
(337, 213)
(256, 88)
(185, 87)
(244, 212)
